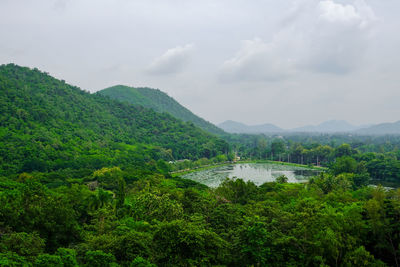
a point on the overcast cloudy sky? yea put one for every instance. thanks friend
(290, 63)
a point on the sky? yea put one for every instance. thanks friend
(290, 63)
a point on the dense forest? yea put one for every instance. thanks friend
(48, 125)
(160, 102)
(85, 181)
(334, 220)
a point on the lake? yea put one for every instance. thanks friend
(258, 173)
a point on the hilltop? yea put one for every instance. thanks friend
(159, 102)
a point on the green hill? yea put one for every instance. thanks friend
(160, 102)
(46, 125)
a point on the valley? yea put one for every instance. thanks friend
(129, 177)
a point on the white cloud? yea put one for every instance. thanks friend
(321, 37)
(256, 61)
(359, 12)
(339, 37)
(334, 12)
(172, 61)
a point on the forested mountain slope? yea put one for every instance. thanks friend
(46, 124)
(160, 102)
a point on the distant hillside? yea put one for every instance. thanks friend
(237, 127)
(158, 101)
(332, 126)
(381, 129)
(46, 124)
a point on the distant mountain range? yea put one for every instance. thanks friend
(328, 127)
(237, 127)
(380, 129)
(159, 102)
(332, 126)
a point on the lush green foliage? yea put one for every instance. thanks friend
(47, 125)
(84, 182)
(330, 221)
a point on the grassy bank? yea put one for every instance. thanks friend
(201, 168)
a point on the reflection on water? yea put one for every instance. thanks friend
(258, 173)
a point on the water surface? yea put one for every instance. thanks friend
(258, 173)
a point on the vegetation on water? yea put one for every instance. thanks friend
(84, 181)
(258, 173)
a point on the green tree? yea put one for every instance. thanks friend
(149, 206)
(47, 260)
(68, 257)
(344, 164)
(360, 257)
(181, 243)
(98, 258)
(343, 150)
(24, 244)
(120, 195)
(237, 190)
(140, 262)
(281, 179)
(11, 259)
(277, 148)
(255, 244)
